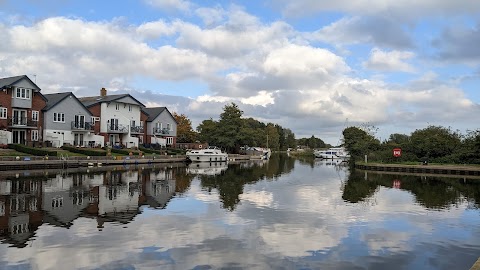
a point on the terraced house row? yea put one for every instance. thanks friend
(29, 117)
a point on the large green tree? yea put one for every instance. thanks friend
(359, 142)
(435, 141)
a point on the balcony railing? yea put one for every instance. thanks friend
(22, 122)
(117, 128)
(161, 131)
(137, 129)
(78, 126)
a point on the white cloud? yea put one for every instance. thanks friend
(399, 9)
(389, 61)
(379, 31)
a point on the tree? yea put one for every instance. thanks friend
(228, 128)
(359, 142)
(207, 131)
(185, 132)
(435, 142)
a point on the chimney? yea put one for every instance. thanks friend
(103, 92)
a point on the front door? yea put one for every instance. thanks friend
(19, 136)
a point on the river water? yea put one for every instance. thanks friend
(283, 213)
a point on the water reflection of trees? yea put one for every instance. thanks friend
(433, 192)
(230, 184)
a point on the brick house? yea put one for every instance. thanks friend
(21, 104)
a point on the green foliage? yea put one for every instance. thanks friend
(31, 150)
(151, 151)
(312, 142)
(434, 142)
(359, 142)
(86, 152)
(232, 131)
(123, 152)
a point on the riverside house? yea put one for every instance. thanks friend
(68, 121)
(20, 111)
(118, 118)
(161, 126)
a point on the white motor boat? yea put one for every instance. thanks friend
(210, 154)
(333, 153)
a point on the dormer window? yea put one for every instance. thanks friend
(117, 106)
(22, 93)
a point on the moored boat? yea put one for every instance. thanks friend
(333, 153)
(210, 154)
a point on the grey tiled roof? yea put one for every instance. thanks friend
(54, 99)
(153, 112)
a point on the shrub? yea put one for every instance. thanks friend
(123, 151)
(32, 151)
(84, 151)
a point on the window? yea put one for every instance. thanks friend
(117, 106)
(59, 117)
(34, 135)
(168, 126)
(169, 140)
(34, 115)
(129, 108)
(22, 93)
(3, 113)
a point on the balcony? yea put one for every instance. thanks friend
(136, 130)
(82, 126)
(23, 122)
(117, 128)
(161, 131)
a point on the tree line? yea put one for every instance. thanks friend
(433, 144)
(232, 131)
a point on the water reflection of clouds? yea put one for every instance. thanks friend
(284, 223)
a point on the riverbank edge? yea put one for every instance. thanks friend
(98, 162)
(422, 169)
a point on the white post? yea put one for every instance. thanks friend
(366, 159)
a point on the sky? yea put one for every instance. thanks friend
(313, 66)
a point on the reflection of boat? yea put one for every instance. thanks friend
(211, 154)
(263, 153)
(206, 168)
(333, 153)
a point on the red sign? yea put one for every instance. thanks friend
(396, 183)
(397, 152)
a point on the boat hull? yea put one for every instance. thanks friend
(207, 158)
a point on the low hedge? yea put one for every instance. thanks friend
(86, 152)
(151, 151)
(31, 150)
(124, 151)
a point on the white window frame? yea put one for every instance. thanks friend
(129, 108)
(169, 140)
(168, 126)
(117, 106)
(34, 135)
(22, 93)
(35, 115)
(3, 113)
(58, 117)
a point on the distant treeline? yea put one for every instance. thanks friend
(433, 144)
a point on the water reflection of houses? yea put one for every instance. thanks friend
(118, 197)
(159, 187)
(58, 199)
(20, 209)
(65, 196)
